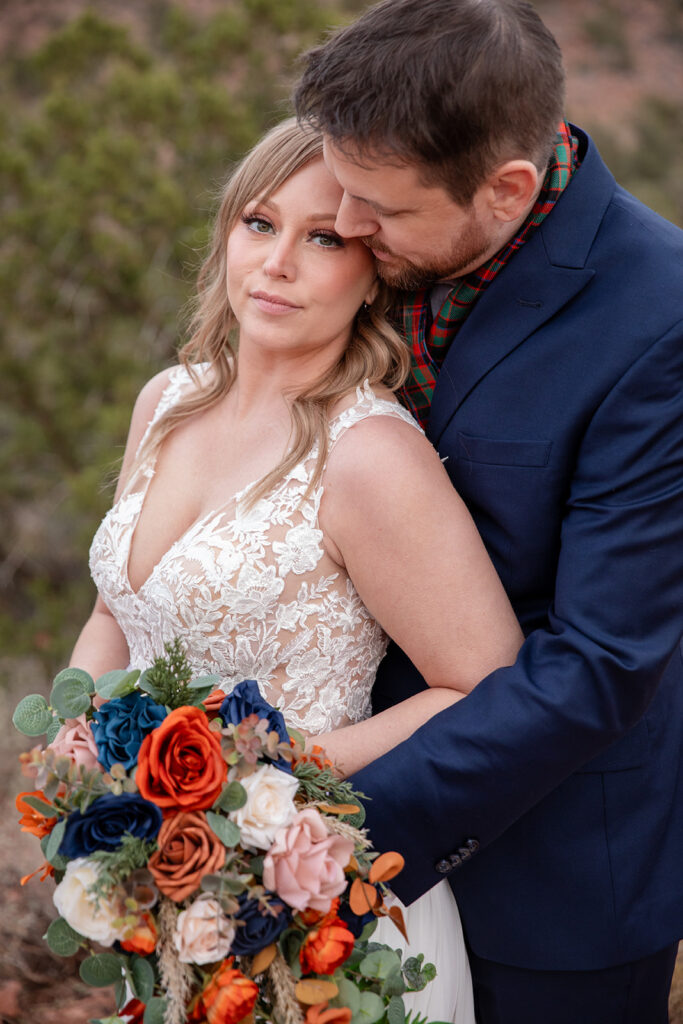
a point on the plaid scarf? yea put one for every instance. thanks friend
(429, 345)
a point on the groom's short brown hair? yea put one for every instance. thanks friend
(456, 86)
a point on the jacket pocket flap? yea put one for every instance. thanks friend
(496, 452)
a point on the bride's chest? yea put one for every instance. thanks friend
(198, 471)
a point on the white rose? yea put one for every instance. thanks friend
(79, 908)
(203, 933)
(269, 806)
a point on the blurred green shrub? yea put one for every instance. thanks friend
(111, 150)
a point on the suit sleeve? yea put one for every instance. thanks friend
(583, 682)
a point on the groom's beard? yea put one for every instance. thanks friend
(465, 254)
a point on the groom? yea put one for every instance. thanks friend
(544, 310)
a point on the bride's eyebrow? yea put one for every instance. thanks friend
(311, 218)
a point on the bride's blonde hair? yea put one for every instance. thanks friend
(375, 353)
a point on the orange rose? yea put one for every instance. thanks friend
(187, 850)
(326, 949)
(212, 703)
(228, 998)
(31, 820)
(320, 1014)
(180, 764)
(309, 917)
(142, 939)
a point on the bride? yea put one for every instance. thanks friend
(280, 512)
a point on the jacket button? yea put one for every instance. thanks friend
(456, 860)
(472, 845)
(443, 867)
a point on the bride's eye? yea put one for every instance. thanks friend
(327, 239)
(259, 225)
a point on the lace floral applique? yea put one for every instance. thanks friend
(252, 592)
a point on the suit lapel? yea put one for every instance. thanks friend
(517, 303)
(539, 280)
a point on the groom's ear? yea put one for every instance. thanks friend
(512, 188)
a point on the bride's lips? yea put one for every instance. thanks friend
(273, 303)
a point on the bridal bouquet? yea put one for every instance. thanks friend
(224, 870)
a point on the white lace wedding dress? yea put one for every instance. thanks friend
(254, 595)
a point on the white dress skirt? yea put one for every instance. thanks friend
(434, 929)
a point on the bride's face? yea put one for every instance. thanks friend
(293, 283)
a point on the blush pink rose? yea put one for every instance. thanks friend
(305, 865)
(75, 740)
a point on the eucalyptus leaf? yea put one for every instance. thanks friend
(201, 681)
(121, 992)
(68, 674)
(348, 995)
(62, 939)
(70, 698)
(117, 683)
(232, 797)
(41, 806)
(371, 1009)
(32, 715)
(290, 943)
(227, 831)
(143, 979)
(145, 684)
(369, 929)
(52, 730)
(102, 969)
(396, 1011)
(394, 985)
(380, 964)
(54, 841)
(199, 695)
(222, 884)
(155, 1011)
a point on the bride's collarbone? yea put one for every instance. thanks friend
(199, 471)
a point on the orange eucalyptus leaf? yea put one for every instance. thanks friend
(386, 867)
(315, 990)
(263, 959)
(362, 897)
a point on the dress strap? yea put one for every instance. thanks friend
(368, 404)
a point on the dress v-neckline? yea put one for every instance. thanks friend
(149, 470)
(198, 521)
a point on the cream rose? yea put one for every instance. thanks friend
(203, 933)
(91, 918)
(269, 806)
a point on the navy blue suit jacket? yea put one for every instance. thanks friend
(559, 412)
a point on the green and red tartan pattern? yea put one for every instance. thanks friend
(429, 348)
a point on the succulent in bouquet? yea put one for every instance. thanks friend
(214, 870)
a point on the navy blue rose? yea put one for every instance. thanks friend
(246, 700)
(120, 726)
(258, 928)
(102, 826)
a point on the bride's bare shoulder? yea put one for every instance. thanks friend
(351, 398)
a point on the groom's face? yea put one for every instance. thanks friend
(417, 232)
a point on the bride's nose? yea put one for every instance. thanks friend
(280, 260)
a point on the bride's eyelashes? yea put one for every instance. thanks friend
(260, 225)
